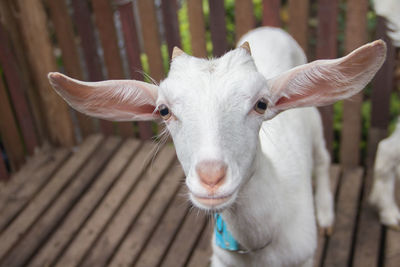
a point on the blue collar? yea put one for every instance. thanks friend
(223, 237)
(225, 240)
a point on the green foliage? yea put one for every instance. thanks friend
(258, 11)
(184, 28)
(394, 110)
(230, 22)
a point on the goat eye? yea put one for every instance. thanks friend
(261, 106)
(164, 112)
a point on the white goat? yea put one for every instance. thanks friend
(242, 157)
(387, 165)
(387, 162)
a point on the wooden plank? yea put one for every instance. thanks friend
(392, 256)
(82, 210)
(392, 244)
(95, 225)
(86, 32)
(197, 28)
(157, 246)
(9, 19)
(40, 230)
(104, 20)
(340, 243)
(244, 17)
(133, 52)
(19, 178)
(326, 49)
(64, 32)
(33, 24)
(151, 39)
(298, 21)
(16, 89)
(143, 228)
(3, 171)
(15, 201)
(271, 16)
(185, 240)
(203, 251)
(367, 245)
(356, 35)
(22, 223)
(120, 223)
(171, 25)
(218, 27)
(131, 38)
(11, 138)
(334, 174)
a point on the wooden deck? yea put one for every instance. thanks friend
(110, 202)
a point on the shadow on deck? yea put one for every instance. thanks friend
(111, 203)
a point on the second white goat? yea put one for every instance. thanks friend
(242, 155)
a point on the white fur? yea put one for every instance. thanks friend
(386, 168)
(390, 10)
(387, 162)
(270, 158)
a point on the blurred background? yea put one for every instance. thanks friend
(78, 191)
(102, 39)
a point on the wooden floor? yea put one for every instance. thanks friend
(110, 202)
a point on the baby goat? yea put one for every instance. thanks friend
(242, 155)
(386, 168)
(387, 162)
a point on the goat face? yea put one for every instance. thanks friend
(213, 110)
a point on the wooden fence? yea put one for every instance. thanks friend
(104, 39)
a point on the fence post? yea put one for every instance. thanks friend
(171, 25)
(9, 131)
(197, 27)
(356, 35)
(32, 21)
(151, 38)
(133, 52)
(85, 29)
(3, 170)
(104, 20)
(298, 22)
(17, 94)
(10, 23)
(244, 17)
(327, 48)
(271, 16)
(382, 86)
(66, 40)
(218, 27)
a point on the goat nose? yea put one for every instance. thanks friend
(211, 173)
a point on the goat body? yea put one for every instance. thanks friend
(386, 168)
(277, 204)
(387, 161)
(243, 154)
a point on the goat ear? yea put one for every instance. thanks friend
(323, 82)
(116, 100)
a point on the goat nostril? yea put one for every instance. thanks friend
(211, 173)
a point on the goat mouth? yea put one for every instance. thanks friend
(212, 201)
